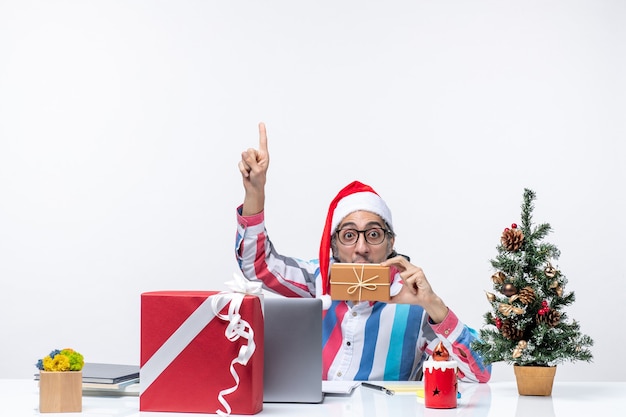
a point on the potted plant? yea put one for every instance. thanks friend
(527, 325)
(60, 382)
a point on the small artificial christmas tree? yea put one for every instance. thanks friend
(527, 325)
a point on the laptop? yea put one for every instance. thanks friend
(293, 350)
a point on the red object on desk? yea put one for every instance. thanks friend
(186, 361)
(440, 383)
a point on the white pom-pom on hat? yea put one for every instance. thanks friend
(326, 301)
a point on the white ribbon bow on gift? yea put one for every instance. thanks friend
(237, 327)
(242, 285)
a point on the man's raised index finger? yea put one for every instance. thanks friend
(262, 137)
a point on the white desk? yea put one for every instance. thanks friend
(21, 398)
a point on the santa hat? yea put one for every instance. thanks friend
(353, 197)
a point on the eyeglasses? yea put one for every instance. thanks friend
(373, 236)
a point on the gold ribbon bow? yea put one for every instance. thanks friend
(507, 309)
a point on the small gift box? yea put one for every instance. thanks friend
(359, 282)
(201, 352)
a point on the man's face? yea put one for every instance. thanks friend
(362, 251)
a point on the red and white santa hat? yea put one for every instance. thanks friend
(353, 197)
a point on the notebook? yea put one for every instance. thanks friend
(293, 350)
(108, 373)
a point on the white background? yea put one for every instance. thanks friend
(122, 122)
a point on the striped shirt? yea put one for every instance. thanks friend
(361, 341)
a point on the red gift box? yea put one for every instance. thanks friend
(189, 364)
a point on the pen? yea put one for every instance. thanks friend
(377, 387)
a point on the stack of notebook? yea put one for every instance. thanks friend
(110, 379)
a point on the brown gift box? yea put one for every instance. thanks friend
(359, 282)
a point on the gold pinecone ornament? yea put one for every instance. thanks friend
(509, 330)
(527, 295)
(549, 317)
(512, 238)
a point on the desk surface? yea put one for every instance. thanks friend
(21, 398)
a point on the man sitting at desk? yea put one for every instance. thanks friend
(363, 340)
